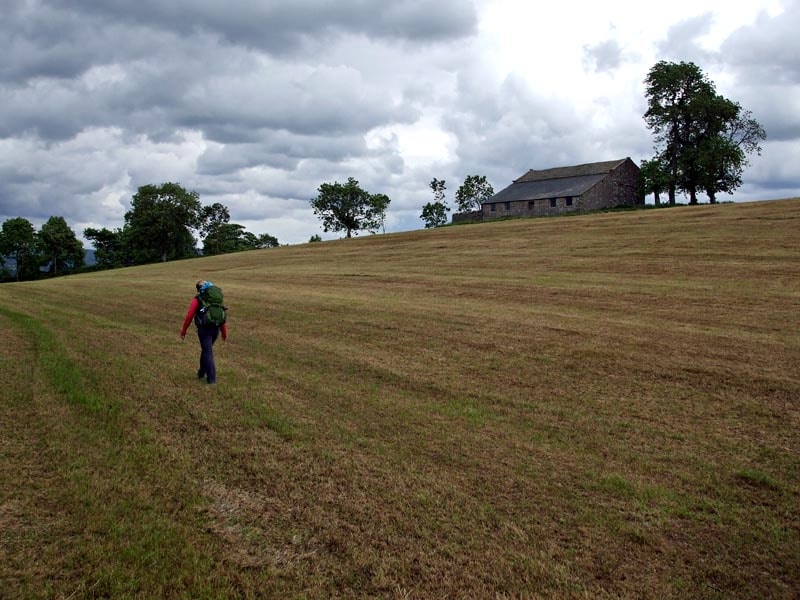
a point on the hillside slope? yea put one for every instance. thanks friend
(596, 406)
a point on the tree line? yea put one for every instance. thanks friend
(160, 226)
(349, 208)
(52, 249)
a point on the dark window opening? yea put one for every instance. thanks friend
(569, 200)
(552, 202)
(531, 204)
(508, 205)
(494, 207)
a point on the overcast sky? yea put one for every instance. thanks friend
(255, 103)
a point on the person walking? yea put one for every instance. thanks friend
(207, 334)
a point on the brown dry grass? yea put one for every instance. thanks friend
(595, 406)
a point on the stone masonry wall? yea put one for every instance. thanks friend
(620, 188)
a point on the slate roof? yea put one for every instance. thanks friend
(556, 183)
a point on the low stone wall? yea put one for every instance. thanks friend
(474, 216)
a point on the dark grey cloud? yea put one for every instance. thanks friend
(332, 100)
(767, 52)
(229, 93)
(764, 58)
(682, 43)
(284, 26)
(43, 40)
(605, 56)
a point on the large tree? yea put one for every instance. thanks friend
(473, 192)
(435, 213)
(109, 246)
(711, 113)
(18, 242)
(380, 204)
(724, 157)
(213, 216)
(694, 130)
(672, 91)
(219, 235)
(227, 237)
(266, 240)
(60, 246)
(349, 208)
(232, 237)
(161, 222)
(653, 178)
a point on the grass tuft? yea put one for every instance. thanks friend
(759, 479)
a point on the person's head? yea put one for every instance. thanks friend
(203, 285)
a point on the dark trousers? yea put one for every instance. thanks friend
(207, 336)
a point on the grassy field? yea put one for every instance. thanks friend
(601, 406)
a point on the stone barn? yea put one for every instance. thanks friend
(560, 190)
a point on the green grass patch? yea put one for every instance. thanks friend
(759, 479)
(257, 414)
(62, 373)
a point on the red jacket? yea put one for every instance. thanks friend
(195, 304)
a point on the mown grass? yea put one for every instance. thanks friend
(600, 406)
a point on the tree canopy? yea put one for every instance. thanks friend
(213, 217)
(349, 208)
(434, 214)
(653, 178)
(60, 246)
(473, 192)
(724, 157)
(161, 223)
(18, 242)
(232, 237)
(109, 246)
(159, 226)
(701, 138)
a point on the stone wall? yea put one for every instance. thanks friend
(530, 208)
(619, 188)
(474, 216)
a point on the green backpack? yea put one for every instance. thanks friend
(212, 311)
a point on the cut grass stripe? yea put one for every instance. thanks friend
(61, 373)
